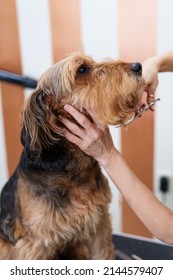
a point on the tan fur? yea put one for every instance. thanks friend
(81, 229)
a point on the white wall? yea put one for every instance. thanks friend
(35, 37)
(163, 116)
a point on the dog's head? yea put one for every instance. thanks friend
(112, 90)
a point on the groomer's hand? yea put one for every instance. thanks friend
(150, 73)
(92, 138)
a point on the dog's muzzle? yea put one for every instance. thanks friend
(138, 113)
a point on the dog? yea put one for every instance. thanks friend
(56, 204)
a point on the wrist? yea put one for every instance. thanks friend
(157, 62)
(107, 159)
(162, 63)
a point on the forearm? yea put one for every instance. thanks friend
(140, 198)
(156, 217)
(165, 62)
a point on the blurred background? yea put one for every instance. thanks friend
(36, 34)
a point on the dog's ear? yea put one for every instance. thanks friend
(41, 127)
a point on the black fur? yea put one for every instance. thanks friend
(41, 171)
(8, 207)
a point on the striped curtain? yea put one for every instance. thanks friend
(35, 34)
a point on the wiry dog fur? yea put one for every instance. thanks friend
(55, 205)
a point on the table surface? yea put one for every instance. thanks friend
(130, 247)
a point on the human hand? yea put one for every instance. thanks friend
(150, 74)
(92, 138)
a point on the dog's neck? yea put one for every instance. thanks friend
(65, 114)
(55, 156)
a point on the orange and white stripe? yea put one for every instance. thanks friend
(35, 34)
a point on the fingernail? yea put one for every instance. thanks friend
(66, 107)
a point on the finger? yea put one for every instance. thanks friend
(151, 98)
(78, 116)
(72, 127)
(72, 137)
(96, 122)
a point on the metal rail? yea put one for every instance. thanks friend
(17, 79)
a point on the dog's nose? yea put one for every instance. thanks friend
(136, 68)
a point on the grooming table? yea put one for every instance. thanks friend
(131, 247)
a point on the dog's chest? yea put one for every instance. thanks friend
(77, 217)
(65, 203)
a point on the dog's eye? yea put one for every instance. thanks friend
(83, 69)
